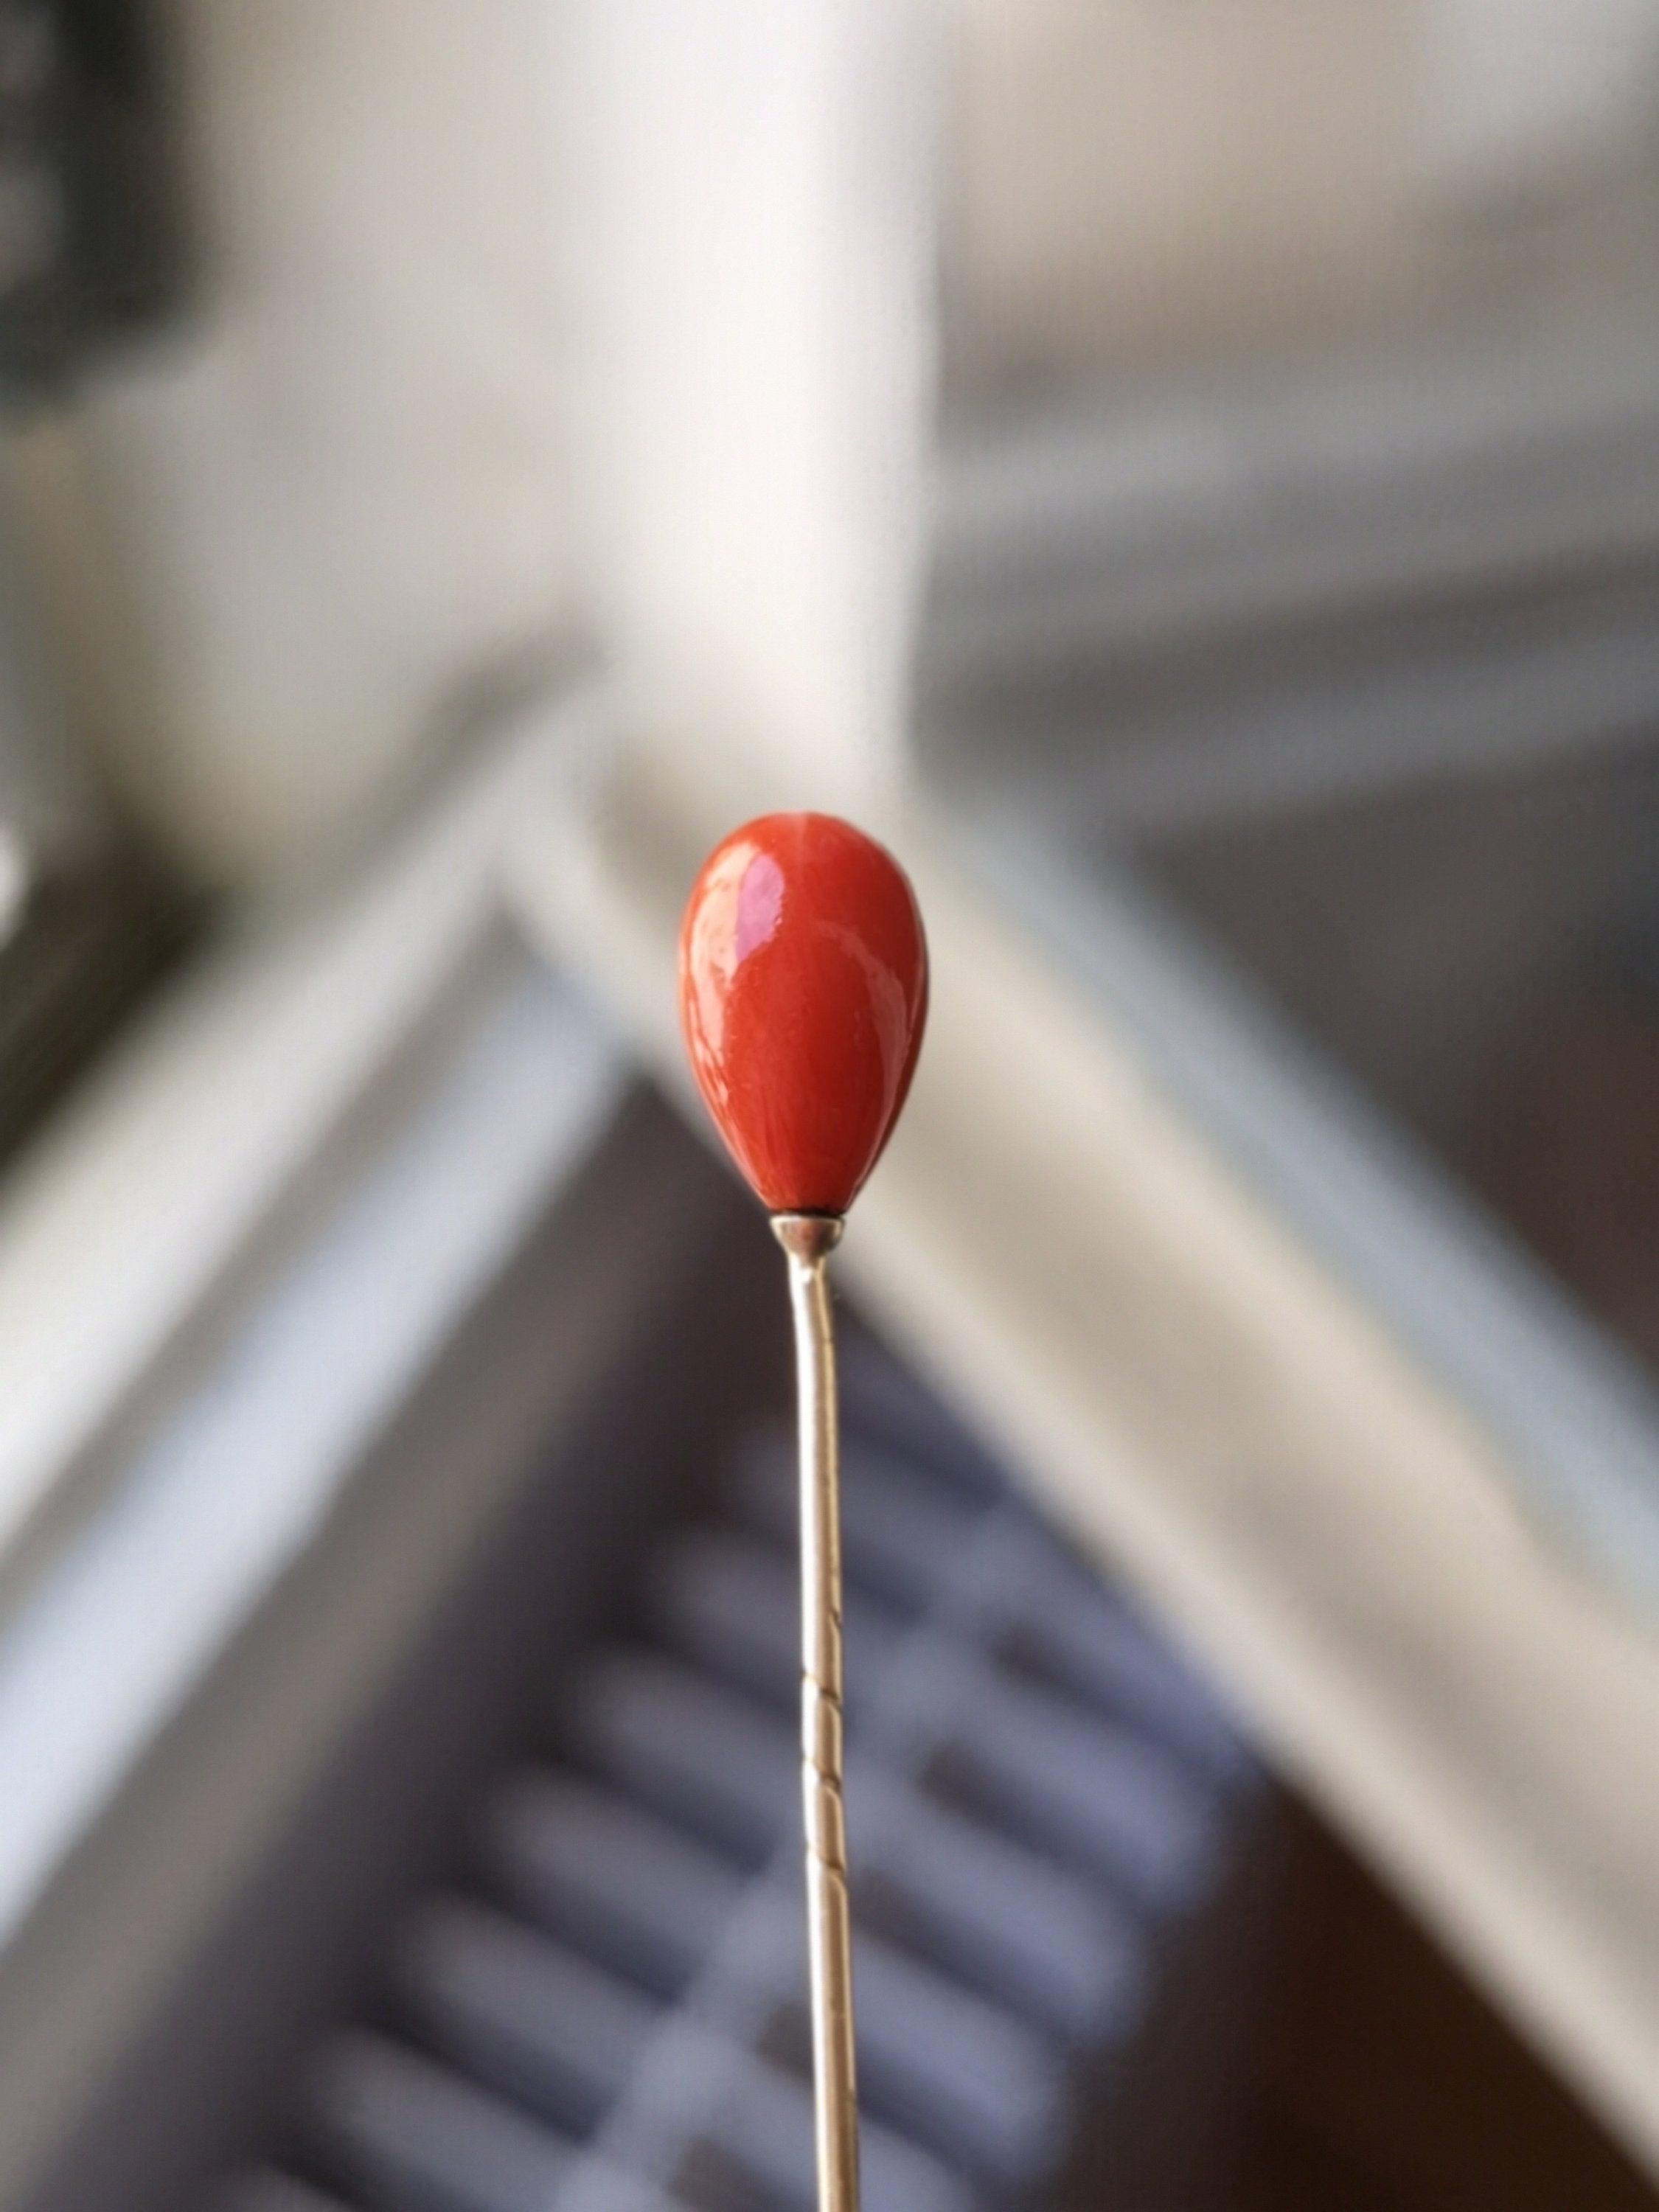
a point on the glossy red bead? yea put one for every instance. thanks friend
(803, 993)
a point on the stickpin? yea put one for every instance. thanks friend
(803, 974)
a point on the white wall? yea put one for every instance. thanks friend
(750, 188)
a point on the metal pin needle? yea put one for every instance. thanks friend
(809, 1239)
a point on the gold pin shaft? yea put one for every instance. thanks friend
(809, 1239)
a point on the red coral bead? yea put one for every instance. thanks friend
(803, 992)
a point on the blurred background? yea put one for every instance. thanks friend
(1187, 473)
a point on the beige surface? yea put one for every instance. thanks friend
(290, 527)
